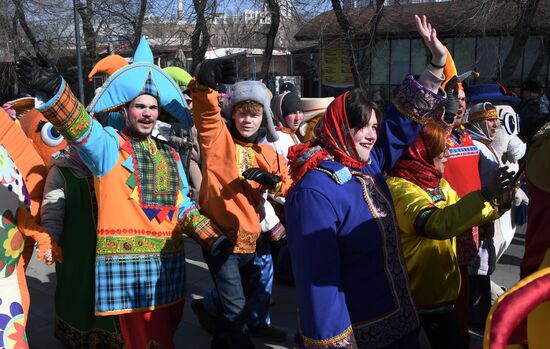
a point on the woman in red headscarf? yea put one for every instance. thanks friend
(350, 279)
(430, 215)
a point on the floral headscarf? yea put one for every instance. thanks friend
(416, 164)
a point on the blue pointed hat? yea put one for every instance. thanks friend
(142, 76)
(494, 93)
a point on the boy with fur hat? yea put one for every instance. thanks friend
(237, 170)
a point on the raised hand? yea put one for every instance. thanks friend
(262, 177)
(429, 35)
(38, 74)
(213, 71)
(452, 104)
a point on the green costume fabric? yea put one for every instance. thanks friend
(75, 323)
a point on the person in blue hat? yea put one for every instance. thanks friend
(533, 109)
(143, 207)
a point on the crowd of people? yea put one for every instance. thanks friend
(388, 224)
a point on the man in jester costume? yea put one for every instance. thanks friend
(141, 191)
(16, 223)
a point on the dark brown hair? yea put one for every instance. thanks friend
(359, 109)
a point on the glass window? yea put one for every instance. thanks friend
(380, 63)
(505, 46)
(399, 60)
(464, 54)
(419, 56)
(535, 64)
(487, 57)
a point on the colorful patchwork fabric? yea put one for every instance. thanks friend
(277, 233)
(154, 176)
(12, 318)
(138, 282)
(245, 157)
(200, 229)
(67, 115)
(126, 245)
(417, 102)
(156, 171)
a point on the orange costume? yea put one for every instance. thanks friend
(143, 204)
(226, 197)
(30, 143)
(16, 222)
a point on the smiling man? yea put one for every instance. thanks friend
(143, 207)
(140, 115)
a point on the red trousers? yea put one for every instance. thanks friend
(152, 329)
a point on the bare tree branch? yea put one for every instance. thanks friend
(275, 14)
(20, 14)
(527, 9)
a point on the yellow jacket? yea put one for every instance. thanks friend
(428, 224)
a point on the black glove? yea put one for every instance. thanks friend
(451, 107)
(213, 71)
(501, 182)
(262, 177)
(38, 74)
(226, 246)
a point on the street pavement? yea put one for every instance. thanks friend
(190, 335)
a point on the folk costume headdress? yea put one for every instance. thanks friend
(314, 108)
(108, 66)
(179, 75)
(416, 164)
(477, 121)
(450, 70)
(142, 77)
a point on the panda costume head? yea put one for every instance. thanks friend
(506, 143)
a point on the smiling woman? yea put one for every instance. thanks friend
(363, 118)
(430, 215)
(351, 285)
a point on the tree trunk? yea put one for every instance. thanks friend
(90, 36)
(359, 60)
(20, 14)
(369, 41)
(521, 34)
(349, 32)
(200, 38)
(139, 24)
(275, 14)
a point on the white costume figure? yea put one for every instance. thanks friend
(509, 150)
(16, 222)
